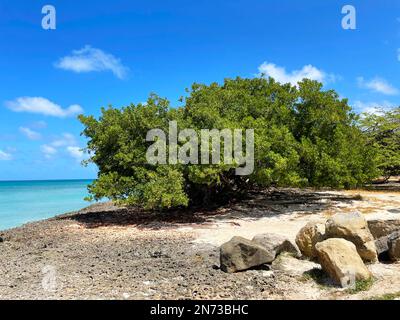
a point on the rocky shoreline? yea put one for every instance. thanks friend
(105, 252)
(125, 264)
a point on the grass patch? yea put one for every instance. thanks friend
(324, 281)
(388, 296)
(361, 285)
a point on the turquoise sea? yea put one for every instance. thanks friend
(25, 201)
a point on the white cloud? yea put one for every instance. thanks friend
(30, 134)
(75, 152)
(64, 144)
(48, 150)
(42, 106)
(90, 59)
(373, 107)
(4, 156)
(65, 140)
(280, 74)
(378, 85)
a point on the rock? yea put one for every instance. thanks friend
(241, 254)
(394, 246)
(308, 237)
(339, 259)
(354, 228)
(276, 244)
(368, 252)
(290, 265)
(1, 240)
(381, 245)
(383, 228)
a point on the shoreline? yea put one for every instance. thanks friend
(28, 201)
(379, 188)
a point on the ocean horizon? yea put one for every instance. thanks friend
(26, 201)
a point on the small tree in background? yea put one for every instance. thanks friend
(304, 136)
(383, 132)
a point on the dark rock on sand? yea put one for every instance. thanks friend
(394, 246)
(241, 254)
(382, 228)
(382, 245)
(387, 247)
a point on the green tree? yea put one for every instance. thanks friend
(304, 136)
(383, 132)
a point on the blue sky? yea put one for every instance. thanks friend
(117, 52)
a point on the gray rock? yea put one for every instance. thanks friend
(394, 246)
(382, 245)
(394, 235)
(276, 244)
(383, 228)
(241, 254)
(290, 265)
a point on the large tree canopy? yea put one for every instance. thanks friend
(304, 136)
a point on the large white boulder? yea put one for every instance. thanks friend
(354, 228)
(340, 259)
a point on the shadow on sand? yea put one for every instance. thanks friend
(267, 203)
